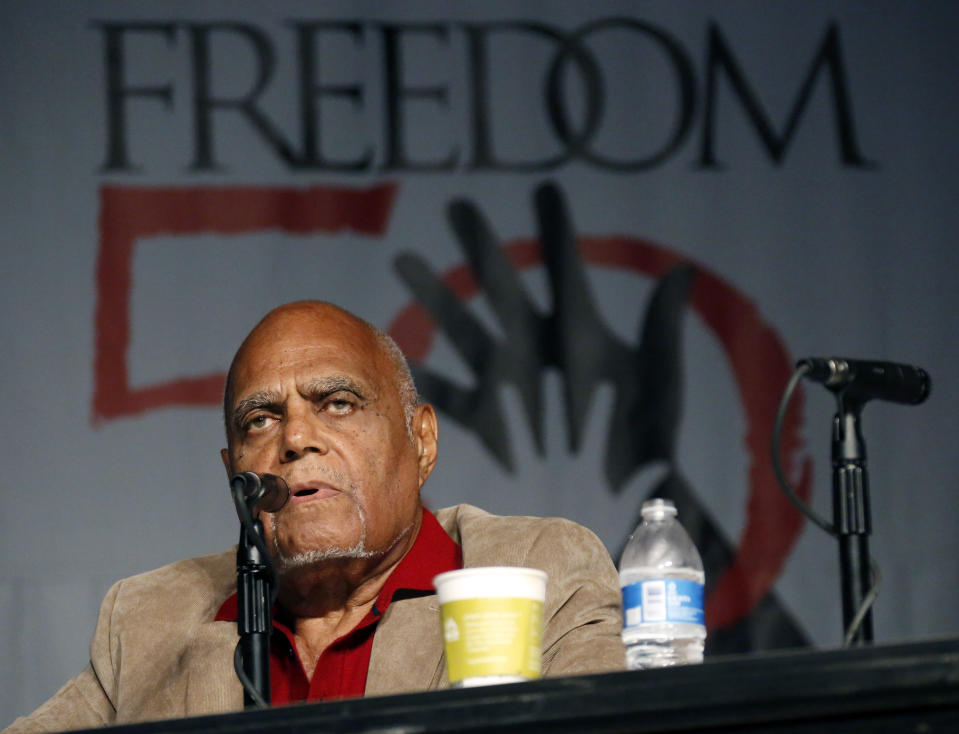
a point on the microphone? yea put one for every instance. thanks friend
(266, 492)
(862, 380)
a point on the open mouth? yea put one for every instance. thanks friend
(304, 492)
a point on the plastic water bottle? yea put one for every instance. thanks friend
(661, 575)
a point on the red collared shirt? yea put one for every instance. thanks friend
(342, 667)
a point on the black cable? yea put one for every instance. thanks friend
(245, 679)
(784, 484)
(865, 606)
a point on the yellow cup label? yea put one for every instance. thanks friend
(495, 636)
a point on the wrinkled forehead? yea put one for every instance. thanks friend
(300, 342)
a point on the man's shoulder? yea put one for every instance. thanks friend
(466, 517)
(199, 585)
(489, 539)
(209, 568)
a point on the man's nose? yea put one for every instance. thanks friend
(303, 434)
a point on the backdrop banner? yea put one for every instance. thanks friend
(603, 233)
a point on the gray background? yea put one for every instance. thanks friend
(841, 260)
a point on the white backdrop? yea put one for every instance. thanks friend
(842, 245)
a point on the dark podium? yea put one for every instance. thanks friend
(910, 687)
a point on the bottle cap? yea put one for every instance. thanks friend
(657, 507)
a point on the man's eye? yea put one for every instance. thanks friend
(340, 406)
(257, 422)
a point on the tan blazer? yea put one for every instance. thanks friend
(157, 654)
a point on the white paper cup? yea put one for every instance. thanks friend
(492, 623)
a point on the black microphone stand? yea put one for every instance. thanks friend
(851, 516)
(255, 587)
(854, 383)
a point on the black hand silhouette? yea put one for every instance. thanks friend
(572, 337)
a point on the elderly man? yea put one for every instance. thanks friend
(324, 400)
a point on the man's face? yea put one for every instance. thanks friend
(315, 401)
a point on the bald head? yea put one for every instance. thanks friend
(321, 322)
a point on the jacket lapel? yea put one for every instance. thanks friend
(408, 649)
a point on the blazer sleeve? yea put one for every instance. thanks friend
(83, 702)
(583, 614)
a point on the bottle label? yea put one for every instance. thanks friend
(663, 600)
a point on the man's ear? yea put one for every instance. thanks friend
(225, 456)
(425, 435)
